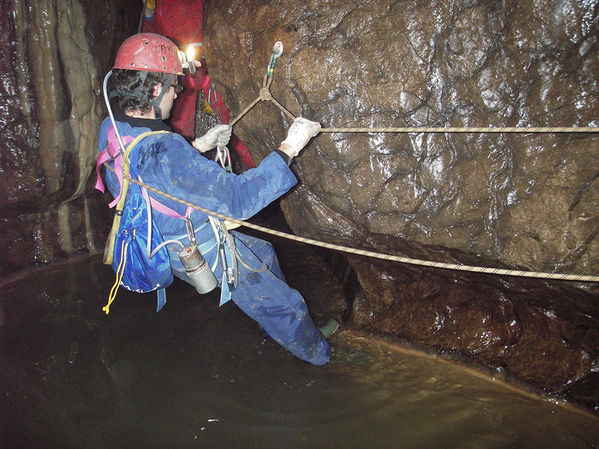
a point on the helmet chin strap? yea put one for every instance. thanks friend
(156, 102)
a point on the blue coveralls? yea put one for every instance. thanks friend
(169, 163)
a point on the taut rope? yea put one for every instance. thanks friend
(361, 252)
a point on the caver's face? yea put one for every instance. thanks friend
(166, 104)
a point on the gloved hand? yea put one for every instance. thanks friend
(218, 135)
(299, 134)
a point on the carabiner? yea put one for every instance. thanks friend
(190, 231)
(277, 51)
(223, 157)
(212, 95)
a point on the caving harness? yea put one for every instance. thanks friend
(135, 247)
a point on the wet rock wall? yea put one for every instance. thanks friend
(54, 55)
(526, 201)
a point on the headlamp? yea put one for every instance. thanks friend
(183, 59)
(188, 58)
(190, 53)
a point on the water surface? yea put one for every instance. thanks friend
(198, 376)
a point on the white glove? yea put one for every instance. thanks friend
(300, 133)
(218, 135)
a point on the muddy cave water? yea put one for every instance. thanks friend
(196, 375)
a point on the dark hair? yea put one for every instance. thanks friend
(132, 91)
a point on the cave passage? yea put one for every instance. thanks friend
(195, 375)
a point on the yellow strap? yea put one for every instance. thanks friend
(119, 277)
(116, 222)
(206, 108)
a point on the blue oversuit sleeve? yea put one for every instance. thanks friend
(174, 166)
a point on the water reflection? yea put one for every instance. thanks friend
(198, 376)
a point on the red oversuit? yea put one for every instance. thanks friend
(181, 21)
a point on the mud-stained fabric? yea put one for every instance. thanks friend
(172, 165)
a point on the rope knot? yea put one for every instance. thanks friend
(265, 94)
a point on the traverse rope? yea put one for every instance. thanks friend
(373, 254)
(265, 95)
(432, 129)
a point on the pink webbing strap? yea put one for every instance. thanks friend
(206, 82)
(163, 209)
(103, 157)
(112, 150)
(115, 153)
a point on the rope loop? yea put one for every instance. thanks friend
(265, 94)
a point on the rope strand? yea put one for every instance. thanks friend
(372, 254)
(431, 129)
(265, 95)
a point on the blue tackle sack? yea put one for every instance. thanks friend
(130, 262)
(127, 249)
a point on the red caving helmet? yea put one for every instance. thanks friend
(149, 52)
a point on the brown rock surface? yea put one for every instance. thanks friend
(54, 55)
(526, 201)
